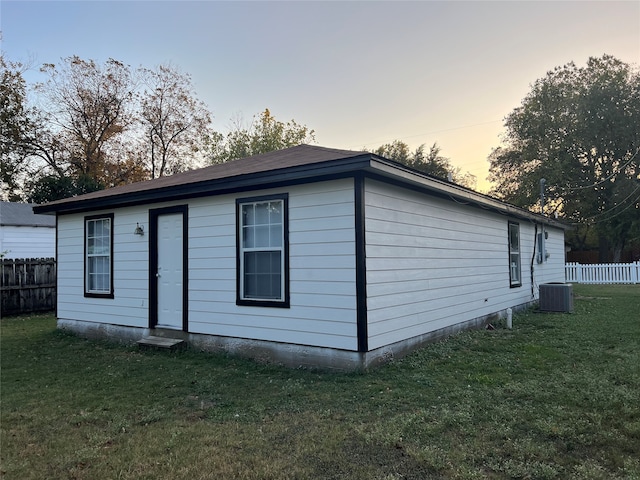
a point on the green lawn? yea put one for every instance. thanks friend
(556, 397)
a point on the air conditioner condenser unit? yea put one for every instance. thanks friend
(556, 297)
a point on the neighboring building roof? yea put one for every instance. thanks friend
(303, 163)
(21, 215)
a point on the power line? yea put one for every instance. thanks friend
(570, 189)
(620, 212)
(633, 202)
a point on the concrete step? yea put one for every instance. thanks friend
(168, 333)
(164, 343)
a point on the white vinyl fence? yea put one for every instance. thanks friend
(602, 273)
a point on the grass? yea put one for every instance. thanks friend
(557, 397)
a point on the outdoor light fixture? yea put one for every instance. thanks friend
(139, 229)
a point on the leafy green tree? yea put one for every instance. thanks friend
(431, 162)
(16, 125)
(265, 134)
(579, 129)
(48, 188)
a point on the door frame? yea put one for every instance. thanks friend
(153, 263)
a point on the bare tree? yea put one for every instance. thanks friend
(175, 122)
(88, 109)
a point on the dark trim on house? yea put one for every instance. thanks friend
(153, 268)
(262, 180)
(84, 240)
(372, 166)
(467, 197)
(57, 269)
(153, 263)
(286, 301)
(361, 264)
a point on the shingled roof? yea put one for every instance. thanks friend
(303, 163)
(21, 215)
(212, 179)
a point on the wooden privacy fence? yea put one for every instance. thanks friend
(28, 285)
(603, 273)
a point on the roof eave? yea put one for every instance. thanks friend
(218, 186)
(367, 163)
(456, 192)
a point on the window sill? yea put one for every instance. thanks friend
(263, 303)
(98, 295)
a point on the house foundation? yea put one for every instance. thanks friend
(289, 355)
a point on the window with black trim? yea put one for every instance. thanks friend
(263, 253)
(515, 270)
(98, 256)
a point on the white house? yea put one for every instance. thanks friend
(24, 234)
(307, 256)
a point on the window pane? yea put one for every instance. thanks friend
(93, 265)
(99, 275)
(514, 242)
(515, 272)
(98, 246)
(262, 225)
(275, 262)
(263, 286)
(262, 213)
(262, 236)
(275, 212)
(248, 240)
(275, 235)
(250, 261)
(91, 276)
(98, 259)
(248, 215)
(515, 268)
(102, 265)
(250, 286)
(262, 275)
(101, 283)
(274, 286)
(264, 264)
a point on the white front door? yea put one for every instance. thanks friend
(169, 274)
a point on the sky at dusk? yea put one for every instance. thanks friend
(360, 74)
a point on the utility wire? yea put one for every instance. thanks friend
(616, 206)
(570, 189)
(619, 213)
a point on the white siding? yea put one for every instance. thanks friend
(27, 242)
(322, 270)
(552, 270)
(433, 263)
(129, 306)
